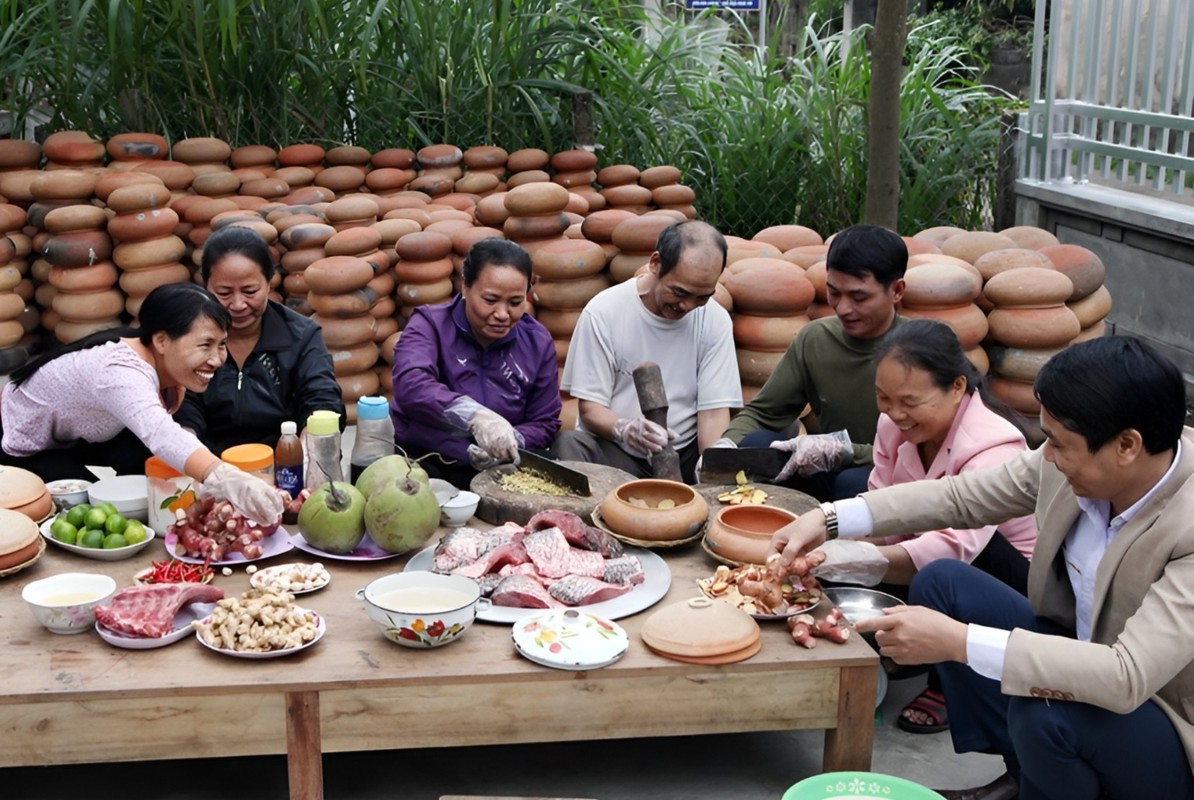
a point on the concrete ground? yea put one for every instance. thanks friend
(754, 766)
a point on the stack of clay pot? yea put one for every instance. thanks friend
(630, 196)
(304, 246)
(260, 159)
(599, 227)
(346, 170)
(308, 156)
(528, 165)
(570, 273)
(1090, 301)
(536, 214)
(424, 270)
(198, 211)
(738, 249)
(148, 251)
(202, 154)
(615, 176)
(485, 168)
(12, 276)
(127, 149)
(1031, 321)
(439, 169)
(73, 150)
(75, 245)
(770, 300)
(635, 239)
(667, 192)
(575, 170)
(946, 291)
(18, 155)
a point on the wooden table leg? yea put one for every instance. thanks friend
(304, 756)
(848, 747)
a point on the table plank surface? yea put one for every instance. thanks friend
(355, 689)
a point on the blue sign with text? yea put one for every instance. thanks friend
(738, 5)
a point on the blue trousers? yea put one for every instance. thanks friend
(1056, 749)
(825, 486)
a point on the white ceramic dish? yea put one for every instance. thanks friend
(275, 578)
(658, 579)
(423, 629)
(45, 598)
(129, 493)
(564, 638)
(181, 629)
(275, 544)
(98, 553)
(456, 511)
(320, 629)
(443, 490)
(68, 492)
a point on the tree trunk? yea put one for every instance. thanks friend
(886, 41)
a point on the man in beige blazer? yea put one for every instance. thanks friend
(1086, 688)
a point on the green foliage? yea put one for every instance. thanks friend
(763, 140)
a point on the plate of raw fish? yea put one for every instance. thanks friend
(556, 561)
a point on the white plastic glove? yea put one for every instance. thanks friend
(821, 452)
(642, 434)
(723, 442)
(251, 496)
(480, 459)
(495, 435)
(851, 561)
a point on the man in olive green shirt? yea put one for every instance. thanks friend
(830, 366)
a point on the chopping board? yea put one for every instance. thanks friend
(500, 505)
(778, 496)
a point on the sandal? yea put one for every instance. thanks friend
(930, 703)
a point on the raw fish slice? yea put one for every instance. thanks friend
(523, 591)
(576, 531)
(511, 552)
(627, 570)
(458, 548)
(554, 558)
(576, 590)
(488, 583)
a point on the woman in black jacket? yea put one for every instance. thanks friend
(278, 367)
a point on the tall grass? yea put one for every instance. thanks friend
(763, 140)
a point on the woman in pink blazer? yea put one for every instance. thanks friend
(936, 420)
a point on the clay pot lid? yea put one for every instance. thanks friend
(700, 627)
(724, 658)
(19, 487)
(17, 531)
(565, 638)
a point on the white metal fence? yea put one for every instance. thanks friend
(1112, 95)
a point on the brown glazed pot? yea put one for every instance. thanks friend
(653, 523)
(743, 533)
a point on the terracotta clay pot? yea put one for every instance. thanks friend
(743, 533)
(648, 521)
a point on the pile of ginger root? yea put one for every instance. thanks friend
(768, 592)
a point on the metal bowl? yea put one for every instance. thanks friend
(858, 603)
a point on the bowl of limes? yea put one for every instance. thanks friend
(97, 531)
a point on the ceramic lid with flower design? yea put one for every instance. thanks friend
(566, 638)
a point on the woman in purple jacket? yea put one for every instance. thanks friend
(475, 378)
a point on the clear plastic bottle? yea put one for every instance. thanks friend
(288, 466)
(375, 435)
(323, 449)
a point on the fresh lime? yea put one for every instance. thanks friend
(135, 532)
(95, 518)
(63, 531)
(91, 537)
(77, 514)
(114, 541)
(107, 507)
(115, 523)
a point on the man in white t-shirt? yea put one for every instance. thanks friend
(663, 316)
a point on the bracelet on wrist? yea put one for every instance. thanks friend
(830, 512)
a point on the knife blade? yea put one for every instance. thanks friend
(722, 464)
(573, 480)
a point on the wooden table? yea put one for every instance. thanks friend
(70, 699)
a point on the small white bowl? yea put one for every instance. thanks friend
(68, 492)
(460, 509)
(65, 603)
(129, 493)
(443, 490)
(448, 607)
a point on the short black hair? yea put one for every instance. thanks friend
(675, 238)
(1102, 387)
(863, 250)
(239, 240)
(494, 251)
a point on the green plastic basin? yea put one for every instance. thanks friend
(860, 785)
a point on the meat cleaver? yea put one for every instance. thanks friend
(573, 480)
(722, 464)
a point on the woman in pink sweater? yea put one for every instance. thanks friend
(106, 400)
(936, 419)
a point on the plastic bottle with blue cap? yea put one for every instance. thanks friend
(375, 434)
